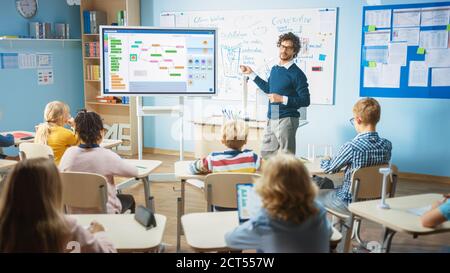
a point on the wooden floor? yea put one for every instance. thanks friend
(165, 202)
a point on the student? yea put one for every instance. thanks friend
(234, 159)
(52, 131)
(439, 213)
(5, 141)
(289, 220)
(90, 157)
(31, 216)
(365, 150)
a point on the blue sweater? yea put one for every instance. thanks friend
(290, 82)
(6, 141)
(269, 235)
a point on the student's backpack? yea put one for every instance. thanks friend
(323, 182)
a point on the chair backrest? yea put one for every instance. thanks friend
(220, 188)
(34, 150)
(86, 191)
(367, 182)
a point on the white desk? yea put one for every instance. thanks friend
(398, 218)
(145, 167)
(17, 141)
(6, 164)
(110, 143)
(314, 166)
(106, 143)
(206, 231)
(125, 233)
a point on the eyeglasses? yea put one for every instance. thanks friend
(286, 47)
(352, 121)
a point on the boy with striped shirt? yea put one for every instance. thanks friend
(234, 159)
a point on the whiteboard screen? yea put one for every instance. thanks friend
(149, 61)
(250, 38)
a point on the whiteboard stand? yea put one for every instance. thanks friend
(144, 111)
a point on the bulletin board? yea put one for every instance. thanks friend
(250, 37)
(405, 51)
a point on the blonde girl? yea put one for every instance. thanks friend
(52, 131)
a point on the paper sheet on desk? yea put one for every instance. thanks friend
(419, 211)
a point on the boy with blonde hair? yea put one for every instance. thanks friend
(365, 150)
(234, 159)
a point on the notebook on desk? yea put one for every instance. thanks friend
(18, 135)
(248, 201)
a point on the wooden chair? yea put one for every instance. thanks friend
(34, 150)
(87, 191)
(366, 184)
(220, 188)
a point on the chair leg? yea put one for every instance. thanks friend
(358, 232)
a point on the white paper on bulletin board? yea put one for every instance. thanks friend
(250, 37)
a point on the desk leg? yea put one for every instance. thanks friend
(348, 236)
(183, 191)
(387, 240)
(178, 223)
(147, 192)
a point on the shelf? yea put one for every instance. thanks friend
(107, 104)
(92, 58)
(62, 41)
(92, 81)
(30, 39)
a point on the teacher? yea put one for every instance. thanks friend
(287, 90)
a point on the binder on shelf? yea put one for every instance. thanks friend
(33, 30)
(61, 31)
(86, 21)
(121, 18)
(47, 30)
(67, 31)
(92, 20)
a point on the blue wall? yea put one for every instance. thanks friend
(22, 100)
(418, 128)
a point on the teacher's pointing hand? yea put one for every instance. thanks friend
(246, 69)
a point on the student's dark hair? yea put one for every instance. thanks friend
(88, 127)
(290, 37)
